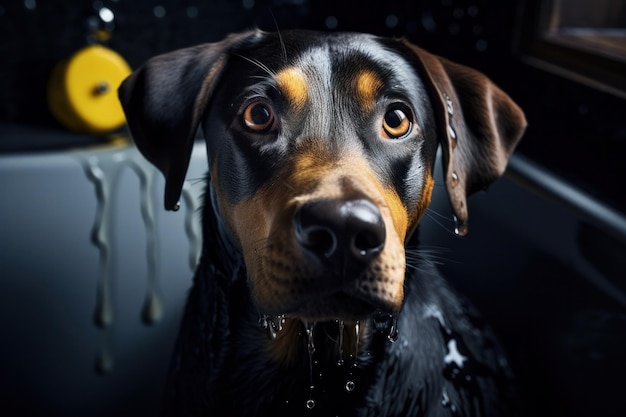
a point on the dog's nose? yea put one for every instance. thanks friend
(341, 231)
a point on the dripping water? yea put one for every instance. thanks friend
(310, 403)
(350, 384)
(152, 310)
(272, 325)
(392, 336)
(101, 238)
(103, 171)
(340, 343)
(104, 176)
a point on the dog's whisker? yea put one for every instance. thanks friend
(280, 40)
(258, 63)
(439, 223)
(424, 259)
(287, 185)
(436, 213)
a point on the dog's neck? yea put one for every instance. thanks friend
(221, 249)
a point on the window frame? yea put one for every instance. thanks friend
(542, 49)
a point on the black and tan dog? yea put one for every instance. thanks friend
(311, 297)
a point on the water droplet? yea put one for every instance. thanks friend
(452, 135)
(152, 309)
(455, 178)
(460, 229)
(350, 386)
(272, 324)
(310, 341)
(310, 404)
(393, 330)
(445, 400)
(454, 356)
(449, 106)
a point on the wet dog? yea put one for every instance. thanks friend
(312, 296)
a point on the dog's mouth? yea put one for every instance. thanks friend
(377, 321)
(339, 305)
(329, 297)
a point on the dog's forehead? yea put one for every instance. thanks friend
(347, 62)
(354, 65)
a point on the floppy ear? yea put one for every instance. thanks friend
(164, 101)
(478, 127)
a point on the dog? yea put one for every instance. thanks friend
(312, 296)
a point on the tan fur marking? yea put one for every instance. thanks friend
(422, 204)
(292, 83)
(367, 85)
(398, 212)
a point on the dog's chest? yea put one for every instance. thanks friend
(427, 368)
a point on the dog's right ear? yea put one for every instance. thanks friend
(164, 101)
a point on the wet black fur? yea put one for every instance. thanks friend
(220, 367)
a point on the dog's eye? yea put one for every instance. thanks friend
(396, 123)
(258, 117)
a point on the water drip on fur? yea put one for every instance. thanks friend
(272, 325)
(383, 323)
(392, 336)
(387, 323)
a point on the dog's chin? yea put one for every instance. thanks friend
(339, 306)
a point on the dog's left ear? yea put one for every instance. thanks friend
(164, 101)
(478, 127)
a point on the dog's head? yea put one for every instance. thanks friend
(321, 149)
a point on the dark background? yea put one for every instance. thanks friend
(576, 131)
(567, 339)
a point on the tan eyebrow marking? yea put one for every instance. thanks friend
(367, 84)
(292, 83)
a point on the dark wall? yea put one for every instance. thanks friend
(35, 35)
(574, 130)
